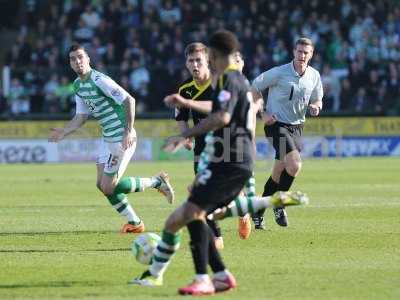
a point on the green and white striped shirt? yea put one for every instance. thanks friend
(103, 98)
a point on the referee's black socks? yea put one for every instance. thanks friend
(285, 181)
(270, 188)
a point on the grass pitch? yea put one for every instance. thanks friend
(59, 237)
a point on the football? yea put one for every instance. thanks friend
(143, 247)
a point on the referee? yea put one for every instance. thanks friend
(292, 89)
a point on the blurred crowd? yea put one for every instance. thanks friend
(140, 44)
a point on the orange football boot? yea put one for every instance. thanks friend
(130, 228)
(244, 227)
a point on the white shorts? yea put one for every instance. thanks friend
(114, 157)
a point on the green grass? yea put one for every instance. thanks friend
(59, 237)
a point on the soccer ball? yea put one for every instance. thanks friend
(143, 247)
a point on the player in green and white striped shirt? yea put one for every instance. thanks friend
(98, 95)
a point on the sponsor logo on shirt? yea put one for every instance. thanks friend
(224, 96)
(116, 93)
(90, 105)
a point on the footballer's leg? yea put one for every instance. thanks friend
(217, 234)
(286, 178)
(115, 187)
(100, 172)
(200, 240)
(115, 163)
(215, 187)
(214, 226)
(244, 224)
(120, 204)
(115, 167)
(168, 245)
(270, 188)
(290, 155)
(127, 185)
(243, 205)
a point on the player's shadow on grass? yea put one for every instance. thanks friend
(33, 233)
(54, 284)
(61, 250)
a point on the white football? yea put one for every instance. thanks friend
(143, 247)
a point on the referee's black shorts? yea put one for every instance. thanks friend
(218, 185)
(285, 138)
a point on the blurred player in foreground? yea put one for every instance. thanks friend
(193, 98)
(224, 168)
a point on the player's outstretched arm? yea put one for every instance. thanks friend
(214, 121)
(183, 126)
(57, 134)
(176, 100)
(200, 106)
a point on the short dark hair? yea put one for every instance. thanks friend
(305, 42)
(76, 46)
(195, 47)
(225, 42)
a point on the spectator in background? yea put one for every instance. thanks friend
(109, 56)
(83, 34)
(169, 13)
(18, 98)
(13, 56)
(139, 79)
(393, 81)
(150, 5)
(96, 50)
(42, 29)
(40, 54)
(381, 101)
(54, 58)
(91, 17)
(357, 76)
(346, 95)
(373, 84)
(279, 53)
(351, 36)
(124, 68)
(24, 50)
(3, 102)
(331, 87)
(51, 104)
(131, 16)
(64, 92)
(361, 102)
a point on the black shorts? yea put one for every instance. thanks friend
(218, 185)
(285, 138)
(199, 146)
